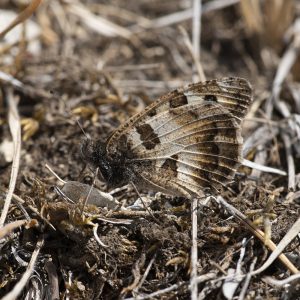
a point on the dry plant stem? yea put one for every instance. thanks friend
(189, 46)
(260, 235)
(284, 67)
(19, 86)
(136, 272)
(15, 129)
(253, 165)
(51, 171)
(290, 161)
(287, 239)
(53, 279)
(25, 14)
(247, 280)
(206, 277)
(96, 23)
(10, 227)
(194, 251)
(158, 293)
(281, 283)
(260, 136)
(16, 291)
(187, 14)
(95, 228)
(144, 204)
(197, 7)
(146, 273)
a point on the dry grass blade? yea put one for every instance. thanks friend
(26, 276)
(283, 282)
(187, 14)
(15, 129)
(261, 136)
(290, 161)
(247, 281)
(25, 14)
(291, 234)
(285, 65)
(189, 46)
(253, 165)
(278, 16)
(195, 52)
(252, 15)
(260, 235)
(97, 23)
(18, 85)
(197, 9)
(158, 293)
(194, 251)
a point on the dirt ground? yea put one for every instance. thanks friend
(100, 62)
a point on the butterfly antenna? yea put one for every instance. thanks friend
(81, 128)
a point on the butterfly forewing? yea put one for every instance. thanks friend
(188, 139)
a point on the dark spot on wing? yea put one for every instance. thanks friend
(212, 98)
(215, 150)
(171, 164)
(152, 112)
(148, 136)
(179, 100)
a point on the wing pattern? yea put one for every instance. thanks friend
(187, 140)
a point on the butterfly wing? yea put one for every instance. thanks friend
(186, 141)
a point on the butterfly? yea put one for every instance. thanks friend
(186, 141)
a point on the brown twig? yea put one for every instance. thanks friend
(290, 161)
(194, 251)
(25, 14)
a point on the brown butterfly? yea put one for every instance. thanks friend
(186, 141)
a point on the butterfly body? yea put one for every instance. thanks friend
(186, 141)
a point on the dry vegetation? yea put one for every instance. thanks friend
(101, 62)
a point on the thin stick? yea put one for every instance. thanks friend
(185, 15)
(290, 161)
(189, 46)
(281, 283)
(146, 207)
(25, 14)
(52, 172)
(253, 165)
(159, 292)
(247, 281)
(15, 129)
(197, 7)
(194, 251)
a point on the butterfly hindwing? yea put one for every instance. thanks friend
(202, 147)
